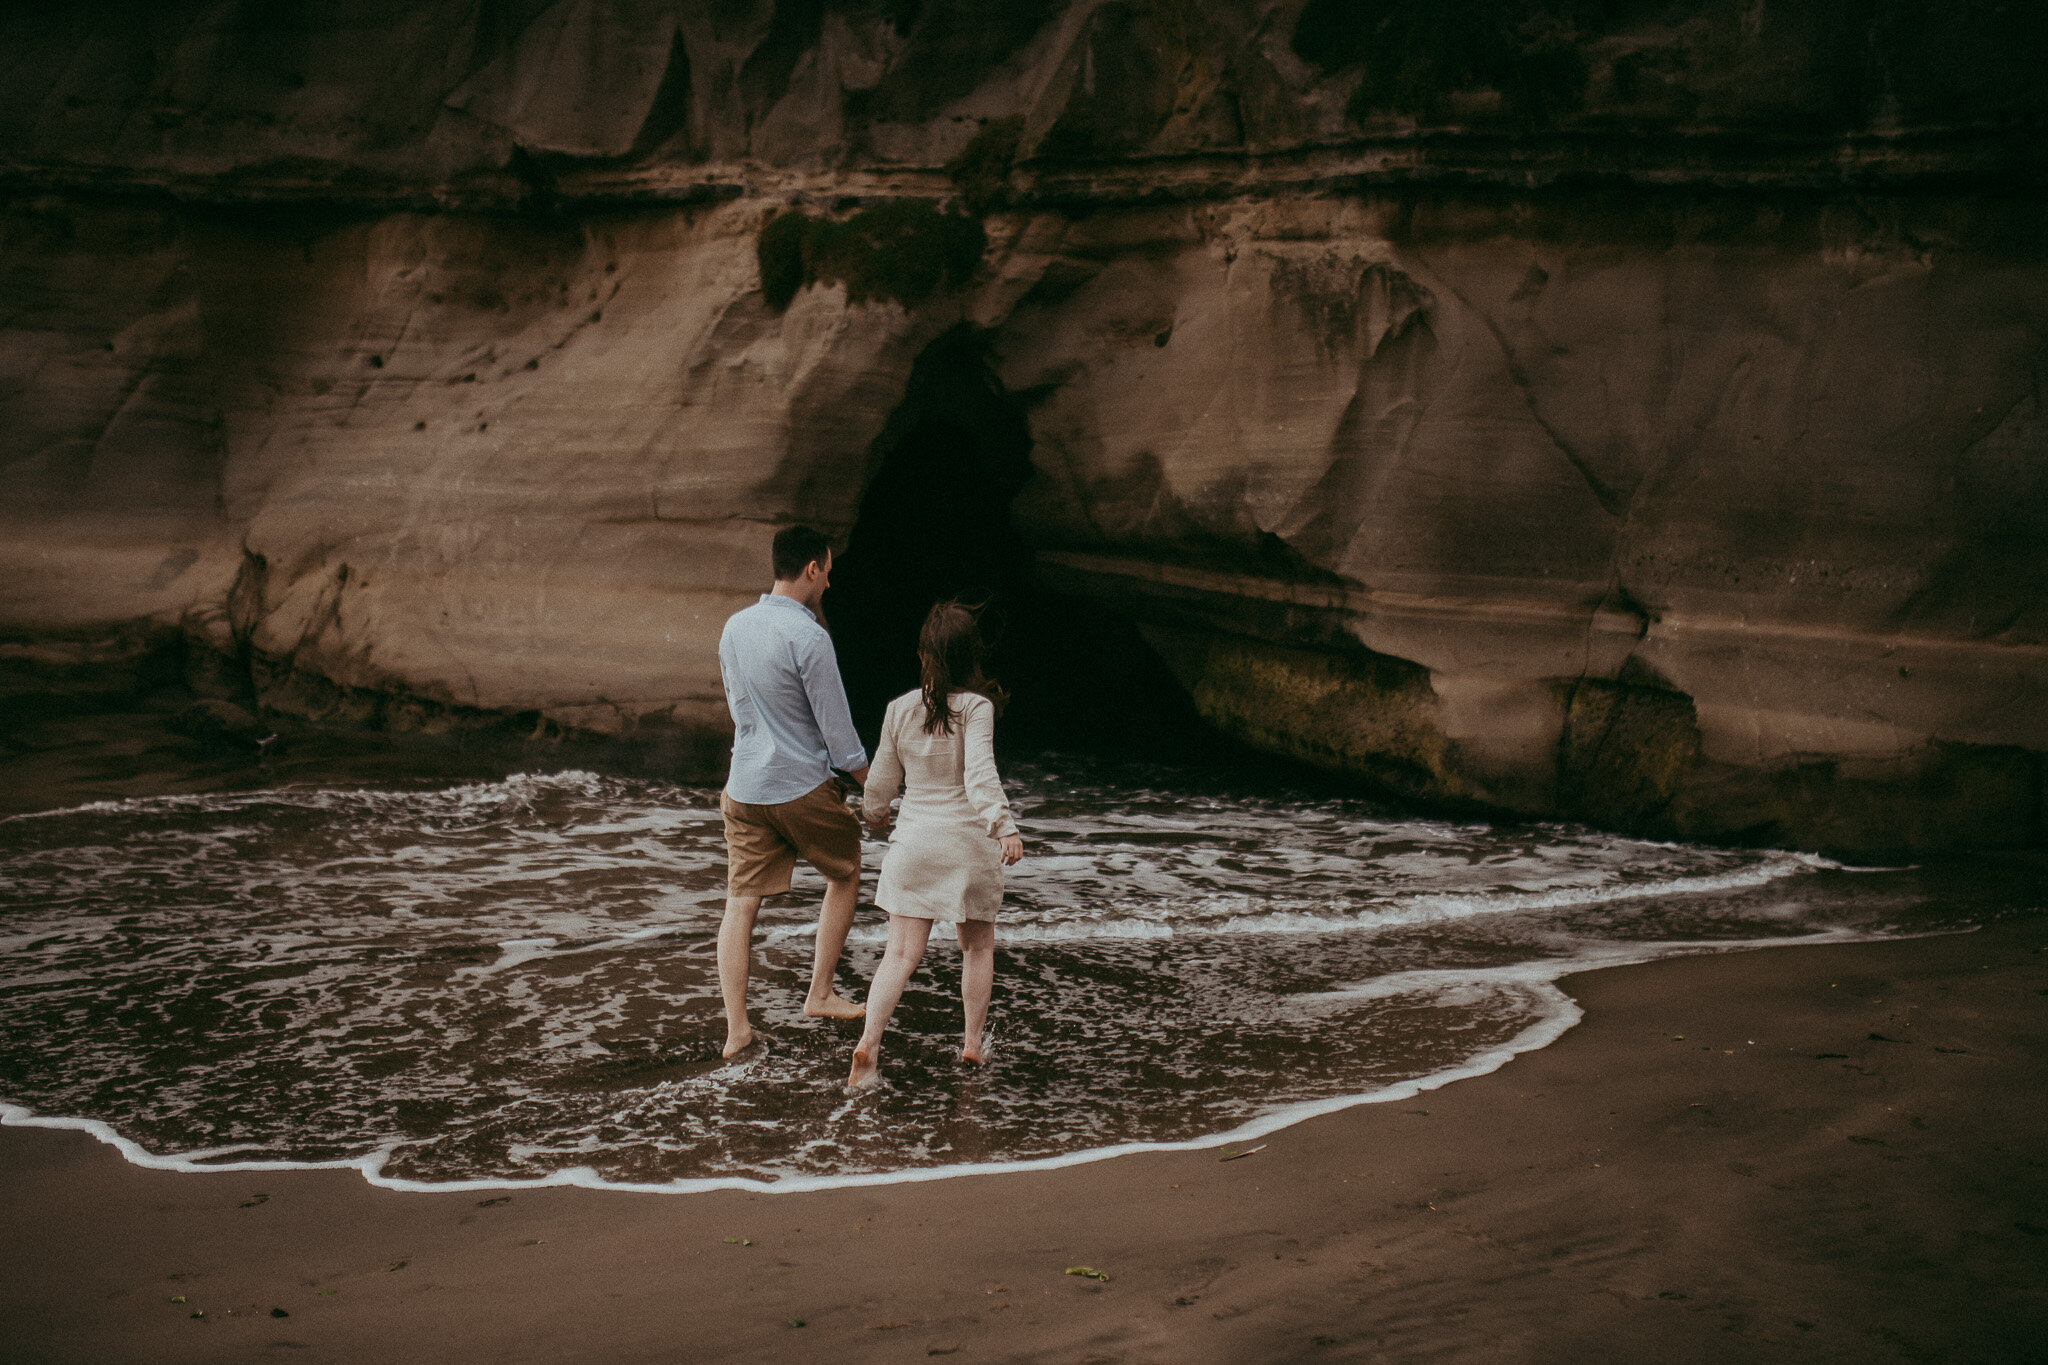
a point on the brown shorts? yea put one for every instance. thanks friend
(762, 843)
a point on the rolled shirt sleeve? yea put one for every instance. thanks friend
(818, 665)
(886, 777)
(984, 783)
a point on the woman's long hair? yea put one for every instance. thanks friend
(951, 658)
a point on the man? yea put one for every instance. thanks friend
(791, 727)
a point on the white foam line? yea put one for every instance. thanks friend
(1433, 907)
(14, 1116)
(1540, 1034)
(520, 951)
(1591, 956)
(318, 797)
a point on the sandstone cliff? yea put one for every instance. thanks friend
(1626, 412)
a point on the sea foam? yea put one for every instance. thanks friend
(511, 984)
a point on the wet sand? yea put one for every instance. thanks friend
(69, 760)
(1825, 1153)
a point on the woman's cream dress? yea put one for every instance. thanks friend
(943, 860)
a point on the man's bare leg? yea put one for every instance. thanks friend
(835, 917)
(735, 964)
(977, 978)
(907, 937)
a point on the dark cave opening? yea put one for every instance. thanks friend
(934, 524)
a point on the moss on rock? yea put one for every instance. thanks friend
(1416, 53)
(1938, 796)
(982, 170)
(780, 251)
(1625, 750)
(1363, 714)
(903, 252)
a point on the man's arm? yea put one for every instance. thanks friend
(819, 667)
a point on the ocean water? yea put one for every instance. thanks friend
(509, 983)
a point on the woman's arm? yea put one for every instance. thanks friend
(884, 778)
(984, 784)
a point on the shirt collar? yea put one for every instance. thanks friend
(775, 597)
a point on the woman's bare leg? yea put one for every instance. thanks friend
(977, 978)
(907, 937)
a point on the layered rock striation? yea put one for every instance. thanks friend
(1628, 413)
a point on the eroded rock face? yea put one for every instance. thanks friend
(442, 466)
(1650, 498)
(411, 363)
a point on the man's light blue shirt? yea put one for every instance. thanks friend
(791, 724)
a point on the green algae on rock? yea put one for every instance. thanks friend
(981, 171)
(901, 252)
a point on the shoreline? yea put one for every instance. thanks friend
(1542, 1033)
(1848, 1167)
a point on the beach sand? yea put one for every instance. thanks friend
(1810, 1154)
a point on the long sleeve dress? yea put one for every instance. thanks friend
(943, 861)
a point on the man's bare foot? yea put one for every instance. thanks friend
(975, 1052)
(834, 1006)
(736, 1043)
(867, 1071)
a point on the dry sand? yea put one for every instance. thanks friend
(1841, 1158)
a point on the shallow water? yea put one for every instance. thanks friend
(514, 981)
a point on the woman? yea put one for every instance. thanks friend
(953, 837)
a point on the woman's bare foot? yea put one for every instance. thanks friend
(834, 1006)
(867, 1070)
(975, 1052)
(736, 1043)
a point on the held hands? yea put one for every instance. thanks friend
(1012, 849)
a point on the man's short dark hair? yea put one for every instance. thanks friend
(796, 549)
